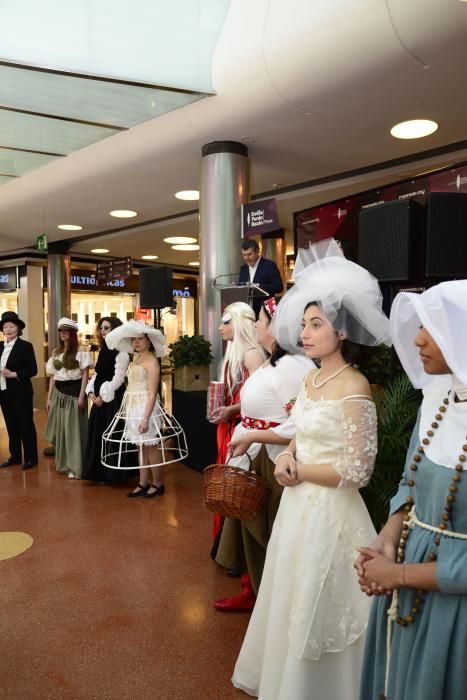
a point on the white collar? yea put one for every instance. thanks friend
(446, 444)
(10, 343)
(459, 388)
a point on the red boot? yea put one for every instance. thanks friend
(244, 602)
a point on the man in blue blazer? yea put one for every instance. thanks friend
(259, 270)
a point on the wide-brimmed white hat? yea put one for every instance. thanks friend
(120, 338)
(67, 323)
(442, 310)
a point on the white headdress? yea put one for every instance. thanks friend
(120, 338)
(442, 310)
(348, 295)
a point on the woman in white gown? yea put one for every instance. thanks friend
(305, 638)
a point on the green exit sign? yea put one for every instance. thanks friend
(41, 242)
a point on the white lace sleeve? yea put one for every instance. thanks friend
(108, 389)
(355, 466)
(90, 385)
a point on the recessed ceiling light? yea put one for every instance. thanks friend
(190, 246)
(187, 194)
(100, 250)
(70, 227)
(414, 129)
(149, 257)
(123, 213)
(194, 263)
(174, 240)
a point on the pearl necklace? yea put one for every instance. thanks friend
(315, 376)
(446, 517)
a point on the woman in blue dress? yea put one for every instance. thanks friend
(416, 646)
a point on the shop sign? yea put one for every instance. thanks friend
(88, 280)
(259, 217)
(8, 278)
(84, 281)
(117, 269)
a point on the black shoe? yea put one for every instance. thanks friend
(49, 451)
(28, 465)
(10, 462)
(158, 491)
(141, 492)
(234, 573)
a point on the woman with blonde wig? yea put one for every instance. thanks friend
(242, 357)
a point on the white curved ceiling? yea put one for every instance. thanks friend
(312, 87)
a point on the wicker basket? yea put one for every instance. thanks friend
(234, 492)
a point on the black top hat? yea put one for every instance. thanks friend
(11, 317)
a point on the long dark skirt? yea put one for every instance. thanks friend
(99, 420)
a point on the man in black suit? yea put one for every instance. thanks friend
(259, 270)
(17, 366)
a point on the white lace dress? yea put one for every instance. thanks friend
(305, 637)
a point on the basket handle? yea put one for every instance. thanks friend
(250, 468)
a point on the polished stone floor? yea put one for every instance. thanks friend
(114, 598)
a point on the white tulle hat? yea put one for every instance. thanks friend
(442, 310)
(348, 295)
(120, 338)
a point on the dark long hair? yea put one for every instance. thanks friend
(277, 351)
(354, 353)
(114, 323)
(69, 349)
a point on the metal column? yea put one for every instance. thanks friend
(59, 290)
(224, 187)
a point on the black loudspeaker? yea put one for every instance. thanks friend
(446, 252)
(155, 287)
(391, 240)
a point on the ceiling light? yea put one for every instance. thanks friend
(123, 213)
(194, 263)
(190, 246)
(149, 257)
(187, 194)
(70, 227)
(174, 240)
(100, 250)
(414, 129)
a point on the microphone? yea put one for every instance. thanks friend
(230, 275)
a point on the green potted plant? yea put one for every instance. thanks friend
(397, 407)
(190, 356)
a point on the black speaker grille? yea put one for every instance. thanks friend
(446, 254)
(385, 240)
(155, 287)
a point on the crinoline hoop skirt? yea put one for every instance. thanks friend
(122, 436)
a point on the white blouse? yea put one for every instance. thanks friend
(7, 348)
(84, 359)
(269, 395)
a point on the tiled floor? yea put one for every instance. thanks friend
(114, 598)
